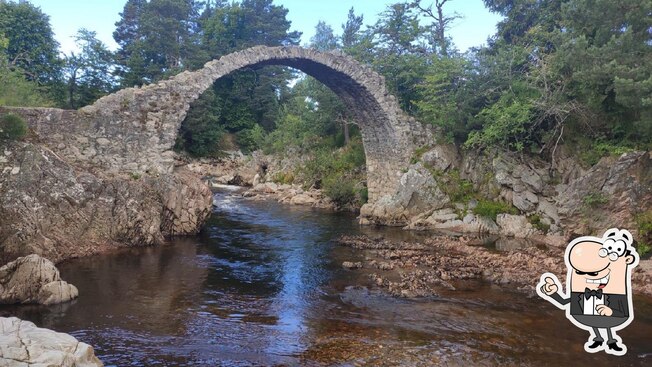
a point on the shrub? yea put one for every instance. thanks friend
(595, 199)
(491, 209)
(536, 222)
(644, 226)
(340, 190)
(283, 178)
(12, 127)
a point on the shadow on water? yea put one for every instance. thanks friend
(263, 285)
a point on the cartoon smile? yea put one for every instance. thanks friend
(601, 281)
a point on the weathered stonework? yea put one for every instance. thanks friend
(134, 129)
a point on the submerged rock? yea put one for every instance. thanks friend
(33, 279)
(24, 344)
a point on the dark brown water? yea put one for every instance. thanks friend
(263, 285)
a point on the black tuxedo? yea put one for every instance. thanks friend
(618, 303)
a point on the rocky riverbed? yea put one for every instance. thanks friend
(445, 263)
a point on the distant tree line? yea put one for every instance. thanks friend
(560, 72)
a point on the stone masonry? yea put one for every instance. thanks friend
(134, 129)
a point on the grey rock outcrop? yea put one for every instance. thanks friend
(610, 194)
(55, 210)
(33, 279)
(22, 344)
(417, 192)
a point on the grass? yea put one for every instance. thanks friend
(459, 190)
(419, 152)
(283, 178)
(491, 209)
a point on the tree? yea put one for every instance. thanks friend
(614, 78)
(250, 97)
(351, 30)
(157, 39)
(324, 38)
(440, 42)
(89, 72)
(31, 47)
(23, 92)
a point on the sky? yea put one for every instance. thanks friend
(67, 16)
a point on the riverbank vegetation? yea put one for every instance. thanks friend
(560, 72)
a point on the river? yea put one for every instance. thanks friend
(262, 285)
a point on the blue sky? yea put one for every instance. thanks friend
(67, 16)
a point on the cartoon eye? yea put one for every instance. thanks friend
(620, 247)
(613, 256)
(603, 252)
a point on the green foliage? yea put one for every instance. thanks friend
(251, 139)
(23, 92)
(156, 38)
(12, 127)
(458, 189)
(337, 173)
(506, 124)
(341, 191)
(491, 209)
(31, 47)
(644, 224)
(284, 178)
(595, 199)
(441, 94)
(88, 73)
(535, 220)
(591, 152)
(135, 176)
(324, 38)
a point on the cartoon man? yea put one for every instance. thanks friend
(598, 294)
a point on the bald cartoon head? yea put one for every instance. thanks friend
(601, 263)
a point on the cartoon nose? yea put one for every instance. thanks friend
(585, 256)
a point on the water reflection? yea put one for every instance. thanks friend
(263, 285)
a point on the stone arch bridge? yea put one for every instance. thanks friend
(134, 129)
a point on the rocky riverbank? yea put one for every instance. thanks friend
(60, 211)
(492, 192)
(444, 263)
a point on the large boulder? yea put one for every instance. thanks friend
(24, 344)
(53, 209)
(418, 192)
(33, 279)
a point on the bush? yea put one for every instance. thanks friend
(595, 200)
(12, 127)
(644, 224)
(536, 222)
(491, 209)
(340, 190)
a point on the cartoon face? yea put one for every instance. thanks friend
(601, 263)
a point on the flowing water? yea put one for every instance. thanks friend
(263, 285)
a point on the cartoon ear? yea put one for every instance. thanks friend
(629, 259)
(627, 237)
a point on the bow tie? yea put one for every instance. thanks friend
(589, 293)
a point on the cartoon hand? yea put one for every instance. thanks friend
(604, 310)
(550, 287)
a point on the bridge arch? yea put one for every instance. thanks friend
(135, 129)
